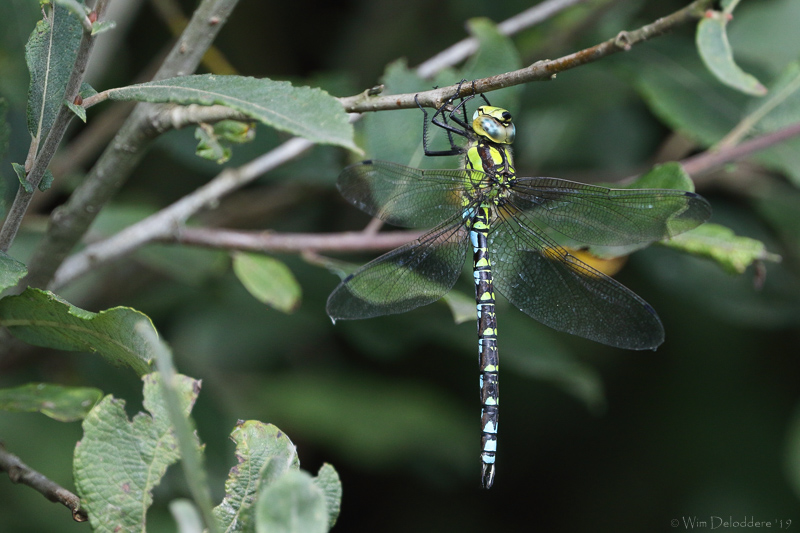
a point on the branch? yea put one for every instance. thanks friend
(539, 71)
(165, 222)
(711, 159)
(166, 226)
(70, 222)
(266, 241)
(19, 472)
(160, 225)
(466, 47)
(48, 149)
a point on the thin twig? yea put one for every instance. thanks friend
(267, 241)
(264, 241)
(466, 47)
(539, 71)
(48, 149)
(165, 223)
(19, 472)
(712, 159)
(70, 221)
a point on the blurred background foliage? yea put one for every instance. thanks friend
(593, 438)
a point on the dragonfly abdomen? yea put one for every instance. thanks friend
(487, 341)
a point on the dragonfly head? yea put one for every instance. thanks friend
(494, 123)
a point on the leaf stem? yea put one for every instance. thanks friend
(48, 149)
(166, 227)
(70, 222)
(711, 159)
(192, 459)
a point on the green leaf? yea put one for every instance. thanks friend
(715, 50)
(209, 146)
(404, 145)
(75, 7)
(79, 110)
(664, 176)
(11, 271)
(65, 404)
(303, 111)
(263, 454)
(461, 306)
(684, 95)
(268, 280)
(293, 504)
(46, 181)
(764, 34)
(732, 252)
(328, 481)
(43, 319)
(50, 53)
(234, 131)
(186, 515)
(22, 177)
(102, 26)
(119, 462)
(496, 54)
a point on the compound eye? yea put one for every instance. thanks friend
(497, 132)
(491, 127)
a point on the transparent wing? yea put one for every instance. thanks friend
(402, 195)
(544, 281)
(597, 215)
(408, 277)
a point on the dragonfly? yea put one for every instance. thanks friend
(514, 226)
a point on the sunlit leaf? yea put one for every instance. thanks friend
(732, 252)
(268, 280)
(263, 454)
(118, 462)
(61, 403)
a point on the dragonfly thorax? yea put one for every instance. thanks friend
(494, 123)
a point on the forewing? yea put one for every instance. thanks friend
(419, 273)
(402, 195)
(546, 282)
(590, 214)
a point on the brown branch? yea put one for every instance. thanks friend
(539, 71)
(19, 472)
(43, 156)
(265, 241)
(709, 160)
